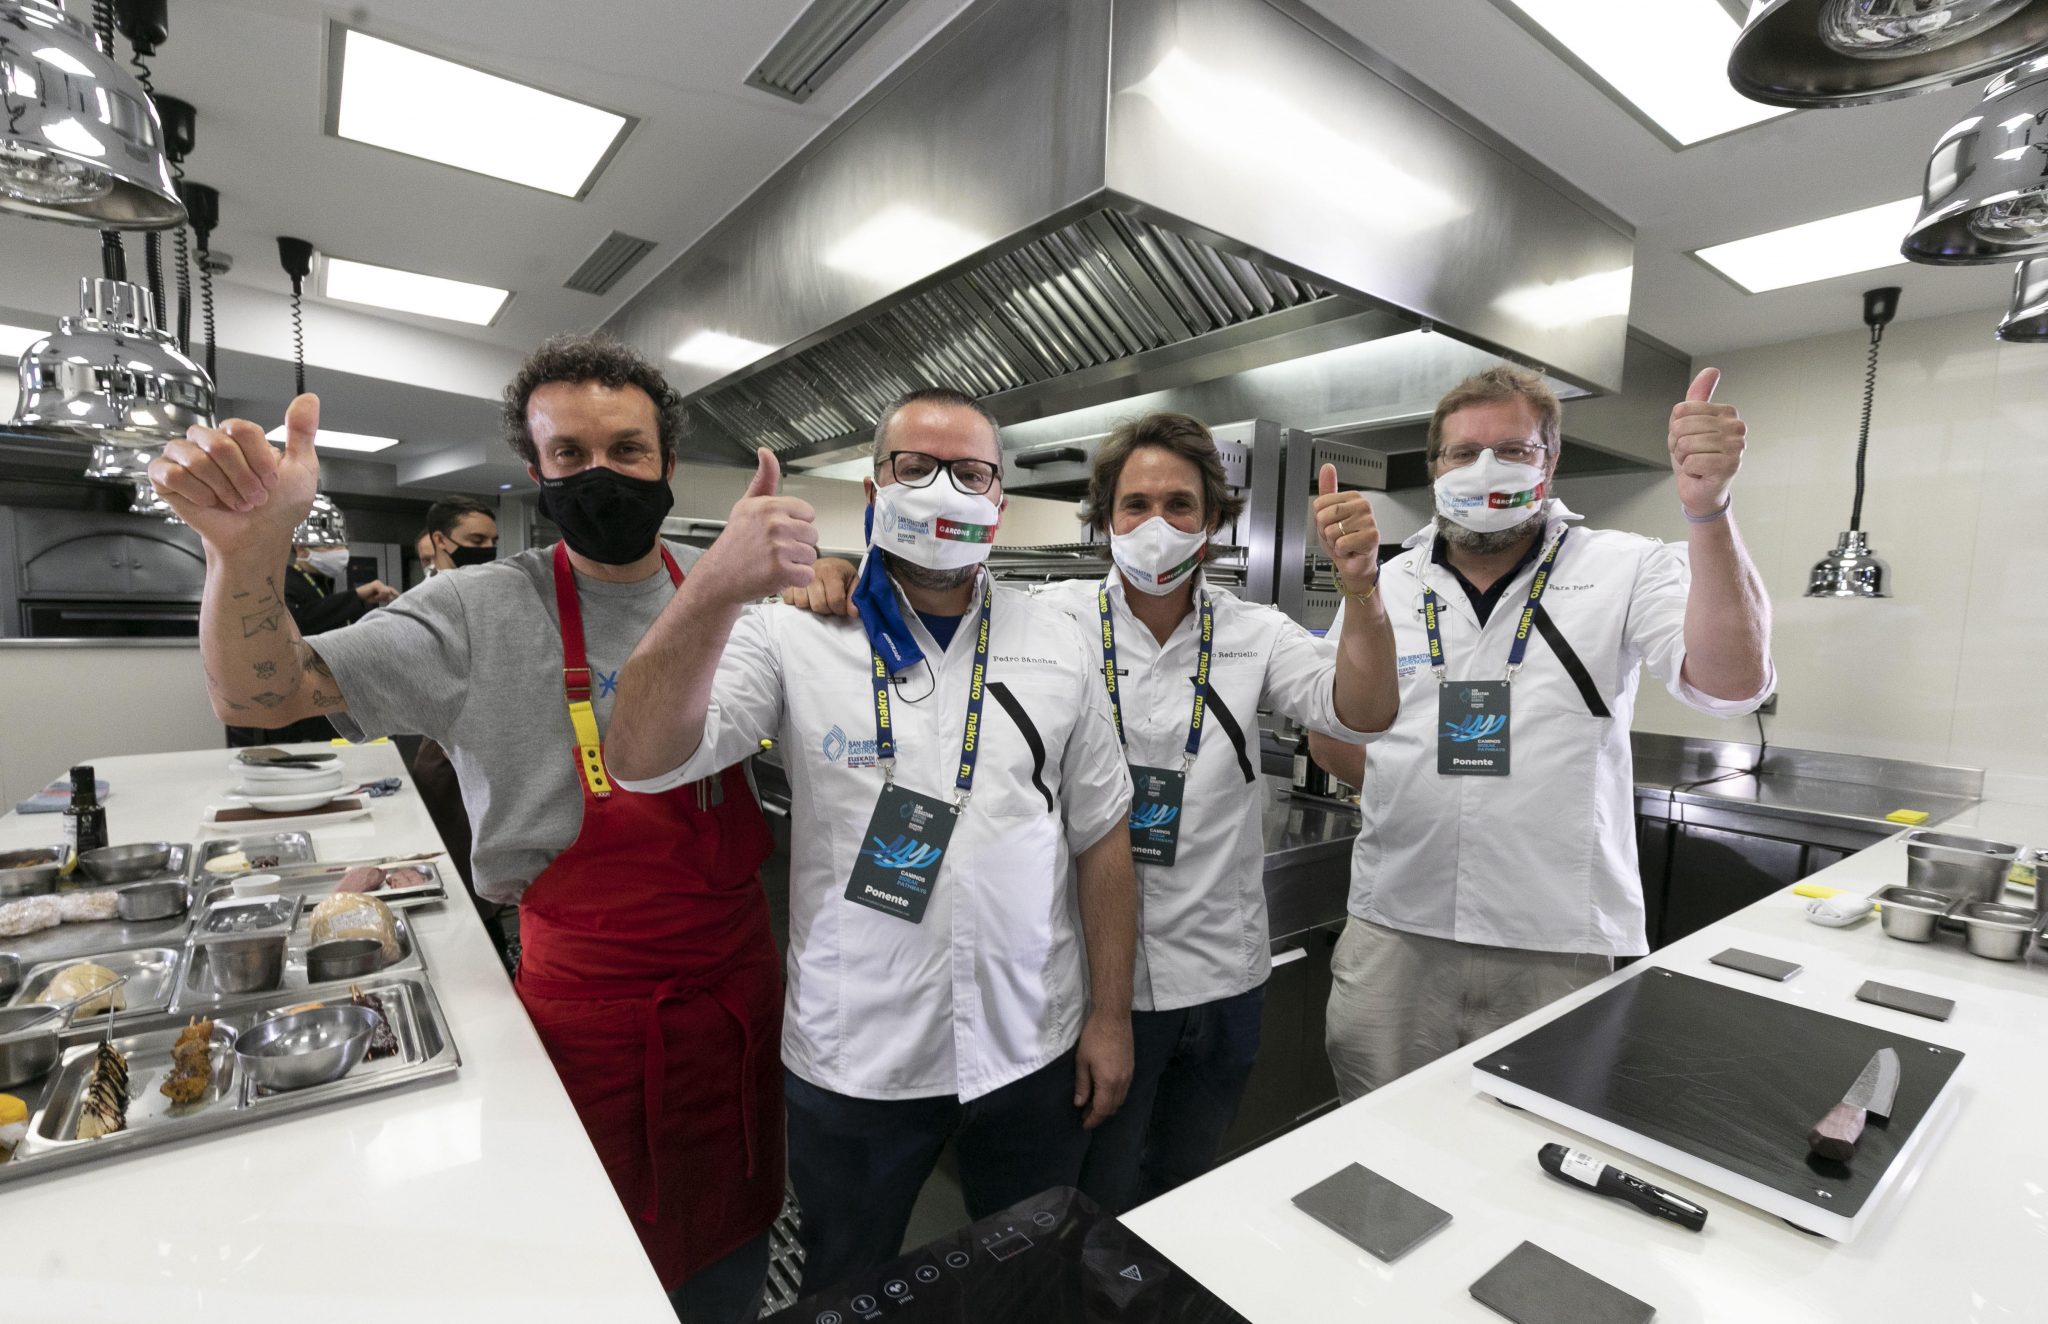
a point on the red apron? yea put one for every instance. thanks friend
(648, 968)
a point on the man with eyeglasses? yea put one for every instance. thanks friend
(949, 753)
(1496, 867)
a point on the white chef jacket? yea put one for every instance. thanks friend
(991, 984)
(1202, 922)
(1543, 859)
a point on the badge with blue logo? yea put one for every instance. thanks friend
(1472, 728)
(900, 854)
(1155, 814)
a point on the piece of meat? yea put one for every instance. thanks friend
(406, 877)
(362, 878)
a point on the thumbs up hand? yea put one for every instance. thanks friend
(1707, 441)
(1349, 535)
(234, 488)
(770, 541)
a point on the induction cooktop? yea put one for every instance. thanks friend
(1053, 1259)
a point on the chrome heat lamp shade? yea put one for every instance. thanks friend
(1985, 198)
(1852, 570)
(2026, 322)
(1848, 52)
(323, 525)
(109, 377)
(80, 141)
(148, 501)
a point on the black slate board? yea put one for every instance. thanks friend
(1729, 1077)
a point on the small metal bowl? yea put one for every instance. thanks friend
(246, 965)
(2000, 933)
(306, 1048)
(146, 901)
(1911, 914)
(30, 872)
(344, 958)
(28, 1043)
(126, 864)
(10, 974)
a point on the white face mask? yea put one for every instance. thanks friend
(936, 526)
(1487, 495)
(331, 562)
(1156, 557)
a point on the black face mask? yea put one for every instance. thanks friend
(606, 516)
(465, 556)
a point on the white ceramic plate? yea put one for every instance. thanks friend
(297, 786)
(289, 804)
(259, 772)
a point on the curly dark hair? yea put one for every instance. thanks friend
(1178, 433)
(589, 358)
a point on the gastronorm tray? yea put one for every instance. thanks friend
(226, 916)
(152, 976)
(426, 1051)
(79, 939)
(279, 848)
(196, 993)
(316, 882)
(184, 859)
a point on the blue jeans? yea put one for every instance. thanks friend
(1189, 1069)
(858, 1164)
(727, 1291)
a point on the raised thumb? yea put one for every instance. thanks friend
(767, 474)
(1702, 388)
(1326, 480)
(301, 425)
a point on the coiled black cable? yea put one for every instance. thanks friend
(1863, 433)
(298, 337)
(206, 314)
(184, 246)
(153, 241)
(103, 24)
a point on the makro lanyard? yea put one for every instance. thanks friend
(970, 740)
(1116, 708)
(1431, 605)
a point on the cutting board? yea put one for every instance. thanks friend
(1722, 1086)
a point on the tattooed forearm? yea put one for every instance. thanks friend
(257, 667)
(265, 670)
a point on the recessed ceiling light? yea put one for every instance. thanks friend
(1665, 60)
(716, 349)
(406, 100)
(410, 291)
(330, 440)
(1816, 250)
(504, 487)
(15, 340)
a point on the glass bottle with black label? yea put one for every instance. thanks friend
(85, 822)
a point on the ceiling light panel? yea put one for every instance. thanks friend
(328, 439)
(409, 291)
(408, 101)
(15, 340)
(1666, 61)
(1833, 246)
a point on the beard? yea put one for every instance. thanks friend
(1474, 543)
(924, 577)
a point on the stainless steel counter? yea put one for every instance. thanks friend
(1686, 780)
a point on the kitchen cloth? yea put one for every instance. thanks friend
(56, 797)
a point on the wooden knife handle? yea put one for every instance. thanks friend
(1835, 1135)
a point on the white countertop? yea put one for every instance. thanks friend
(1961, 1242)
(472, 1198)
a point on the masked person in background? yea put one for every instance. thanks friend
(647, 964)
(460, 531)
(950, 756)
(1496, 867)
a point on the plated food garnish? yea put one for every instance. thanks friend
(75, 981)
(191, 1063)
(106, 1098)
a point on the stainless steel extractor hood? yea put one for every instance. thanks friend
(1063, 203)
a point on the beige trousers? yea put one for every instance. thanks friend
(1401, 1000)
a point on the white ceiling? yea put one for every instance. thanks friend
(255, 69)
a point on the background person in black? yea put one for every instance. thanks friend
(460, 531)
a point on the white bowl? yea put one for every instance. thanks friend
(257, 885)
(289, 804)
(326, 781)
(283, 772)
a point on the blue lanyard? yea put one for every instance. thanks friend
(1431, 606)
(970, 740)
(1116, 708)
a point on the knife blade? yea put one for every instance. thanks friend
(1876, 1089)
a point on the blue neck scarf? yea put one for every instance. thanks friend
(888, 633)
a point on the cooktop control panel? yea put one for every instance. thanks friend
(1052, 1259)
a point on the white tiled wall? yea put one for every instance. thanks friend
(1954, 667)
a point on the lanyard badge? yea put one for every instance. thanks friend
(908, 834)
(1156, 792)
(1473, 716)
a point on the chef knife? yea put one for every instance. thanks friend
(1835, 1135)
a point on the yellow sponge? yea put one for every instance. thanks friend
(1910, 817)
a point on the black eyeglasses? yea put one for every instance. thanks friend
(916, 469)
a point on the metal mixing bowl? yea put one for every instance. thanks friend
(344, 958)
(305, 1048)
(126, 864)
(29, 872)
(144, 901)
(246, 965)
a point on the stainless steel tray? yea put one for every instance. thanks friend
(184, 859)
(282, 848)
(280, 914)
(196, 992)
(426, 1051)
(316, 882)
(152, 977)
(106, 935)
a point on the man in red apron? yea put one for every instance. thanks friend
(648, 967)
